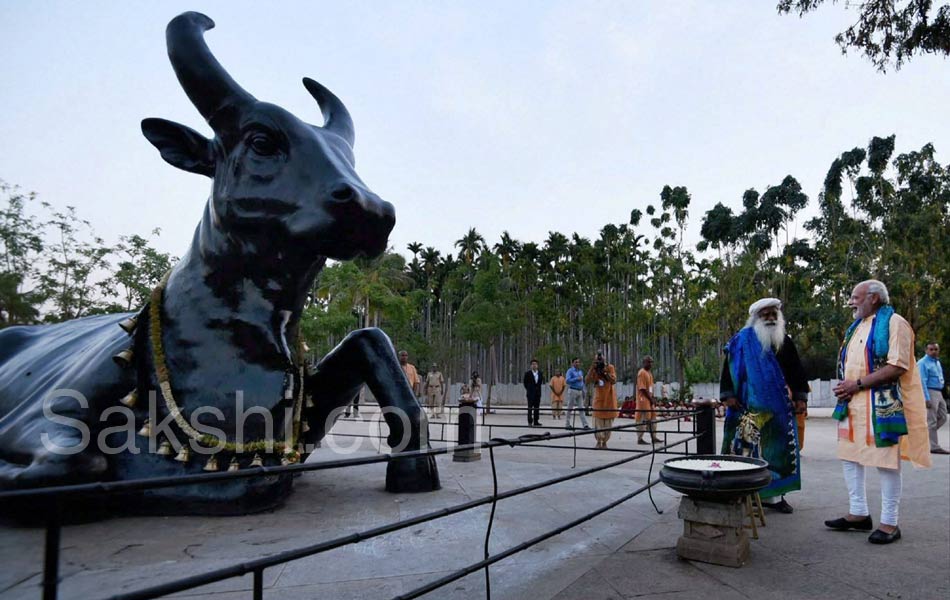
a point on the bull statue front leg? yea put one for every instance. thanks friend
(367, 356)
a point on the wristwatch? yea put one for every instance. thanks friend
(860, 386)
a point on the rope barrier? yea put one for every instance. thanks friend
(129, 485)
(244, 568)
(256, 567)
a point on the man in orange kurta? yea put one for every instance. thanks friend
(603, 375)
(646, 408)
(410, 370)
(857, 444)
(557, 384)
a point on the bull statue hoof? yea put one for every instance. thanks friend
(412, 474)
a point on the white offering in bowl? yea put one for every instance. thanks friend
(719, 464)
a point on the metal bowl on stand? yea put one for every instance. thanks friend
(716, 477)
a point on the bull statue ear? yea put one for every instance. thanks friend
(180, 146)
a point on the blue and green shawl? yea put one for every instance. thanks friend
(764, 425)
(888, 416)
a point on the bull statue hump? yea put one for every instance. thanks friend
(212, 367)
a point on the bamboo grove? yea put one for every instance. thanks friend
(638, 288)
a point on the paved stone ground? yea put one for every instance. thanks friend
(627, 552)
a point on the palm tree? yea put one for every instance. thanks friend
(507, 249)
(470, 246)
(430, 265)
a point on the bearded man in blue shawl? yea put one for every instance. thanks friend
(764, 386)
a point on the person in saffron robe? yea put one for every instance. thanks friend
(412, 376)
(881, 413)
(646, 406)
(603, 375)
(763, 386)
(558, 385)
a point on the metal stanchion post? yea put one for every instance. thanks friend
(706, 426)
(468, 410)
(51, 552)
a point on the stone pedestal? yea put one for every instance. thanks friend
(713, 532)
(468, 413)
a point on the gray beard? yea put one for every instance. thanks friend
(770, 337)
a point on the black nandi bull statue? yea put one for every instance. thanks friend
(222, 329)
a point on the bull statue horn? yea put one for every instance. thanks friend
(208, 85)
(335, 116)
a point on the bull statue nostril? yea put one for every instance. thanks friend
(343, 192)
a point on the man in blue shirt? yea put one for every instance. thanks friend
(931, 377)
(575, 394)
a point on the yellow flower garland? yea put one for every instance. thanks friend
(207, 440)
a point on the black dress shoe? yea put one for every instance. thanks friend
(881, 537)
(843, 524)
(781, 506)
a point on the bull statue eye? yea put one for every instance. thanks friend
(263, 144)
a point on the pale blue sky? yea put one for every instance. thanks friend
(525, 116)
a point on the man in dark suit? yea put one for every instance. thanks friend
(533, 381)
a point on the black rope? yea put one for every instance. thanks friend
(574, 459)
(112, 487)
(241, 569)
(650, 478)
(491, 519)
(432, 586)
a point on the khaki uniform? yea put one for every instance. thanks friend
(435, 399)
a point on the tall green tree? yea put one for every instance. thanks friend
(888, 32)
(21, 245)
(139, 269)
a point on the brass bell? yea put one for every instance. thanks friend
(183, 455)
(304, 428)
(124, 358)
(284, 461)
(212, 464)
(309, 402)
(235, 465)
(257, 461)
(165, 448)
(130, 399)
(146, 430)
(128, 325)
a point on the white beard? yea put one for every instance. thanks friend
(771, 335)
